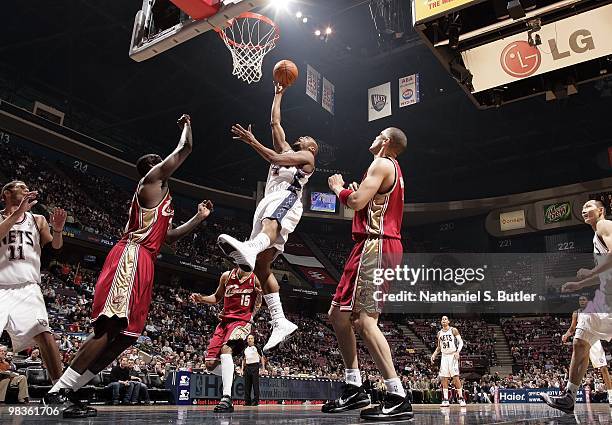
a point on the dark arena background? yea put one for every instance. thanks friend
(506, 107)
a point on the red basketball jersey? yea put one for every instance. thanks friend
(148, 227)
(240, 297)
(383, 214)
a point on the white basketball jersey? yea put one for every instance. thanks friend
(292, 179)
(448, 344)
(601, 250)
(20, 253)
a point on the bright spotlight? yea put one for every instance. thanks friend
(298, 14)
(305, 19)
(317, 33)
(280, 4)
(328, 30)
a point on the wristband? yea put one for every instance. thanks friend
(344, 194)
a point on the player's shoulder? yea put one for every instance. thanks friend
(455, 331)
(604, 227)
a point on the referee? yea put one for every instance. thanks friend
(251, 361)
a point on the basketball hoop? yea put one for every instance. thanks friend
(249, 37)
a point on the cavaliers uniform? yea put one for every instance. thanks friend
(282, 202)
(238, 307)
(22, 308)
(125, 284)
(376, 232)
(449, 364)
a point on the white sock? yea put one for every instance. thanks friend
(445, 392)
(274, 305)
(394, 386)
(609, 396)
(69, 379)
(572, 389)
(352, 377)
(227, 373)
(259, 243)
(83, 379)
(460, 393)
(216, 370)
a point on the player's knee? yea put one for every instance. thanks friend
(211, 364)
(581, 344)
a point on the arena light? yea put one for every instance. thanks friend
(298, 14)
(317, 32)
(328, 30)
(305, 19)
(280, 4)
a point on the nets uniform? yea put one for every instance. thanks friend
(22, 308)
(449, 365)
(238, 307)
(376, 232)
(596, 353)
(281, 202)
(125, 284)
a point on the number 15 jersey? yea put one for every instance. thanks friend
(240, 297)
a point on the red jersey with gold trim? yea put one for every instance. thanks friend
(148, 227)
(240, 297)
(383, 214)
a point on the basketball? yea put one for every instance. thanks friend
(285, 72)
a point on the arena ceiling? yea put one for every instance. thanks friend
(75, 59)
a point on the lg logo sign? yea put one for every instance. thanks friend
(521, 60)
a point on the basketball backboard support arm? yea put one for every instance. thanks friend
(144, 44)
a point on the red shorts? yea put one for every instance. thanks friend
(355, 292)
(233, 332)
(125, 287)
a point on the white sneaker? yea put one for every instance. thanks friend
(238, 252)
(282, 329)
(445, 403)
(461, 402)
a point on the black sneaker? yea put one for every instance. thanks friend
(77, 409)
(353, 397)
(564, 403)
(393, 408)
(54, 398)
(225, 405)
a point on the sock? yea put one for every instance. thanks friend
(83, 379)
(609, 396)
(227, 373)
(572, 389)
(352, 377)
(394, 386)
(259, 243)
(460, 393)
(445, 392)
(69, 379)
(216, 370)
(274, 305)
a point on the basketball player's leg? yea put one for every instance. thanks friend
(114, 349)
(282, 327)
(226, 365)
(50, 354)
(444, 381)
(459, 388)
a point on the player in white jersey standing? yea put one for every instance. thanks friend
(277, 214)
(450, 344)
(22, 308)
(595, 321)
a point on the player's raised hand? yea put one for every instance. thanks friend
(564, 337)
(58, 219)
(196, 298)
(279, 88)
(28, 201)
(240, 133)
(570, 287)
(184, 120)
(456, 355)
(204, 209)
(335, 182)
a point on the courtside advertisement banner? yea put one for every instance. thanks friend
(408, 90)
(379, 102)
(567, 42)
(327, 98)
(313, 78)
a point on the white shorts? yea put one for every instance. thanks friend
(23, 313)
(593, 327)
(449, 366)
(597, 355)
(283, 206)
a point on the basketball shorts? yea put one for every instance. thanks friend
(283, 206)
(357, 290)
(23, 313)
(449, 366)
(232, 333)
(598, 355)
(125, 286)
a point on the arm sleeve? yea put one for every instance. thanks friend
(459, 343)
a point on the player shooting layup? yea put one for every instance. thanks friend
(450, 344)
(277, 214)
(124, 288)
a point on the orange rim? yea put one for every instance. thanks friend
(251, 15)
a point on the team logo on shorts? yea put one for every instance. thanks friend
(118, 299)
(43, 322)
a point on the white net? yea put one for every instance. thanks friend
(249, 37)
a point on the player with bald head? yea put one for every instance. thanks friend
(277, 214)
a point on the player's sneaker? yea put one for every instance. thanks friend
(565, 403)
(445, 403)
(461, 402)
(225, 405)
(393, 408)
(353, 397)
(282, 329)
(239, 252)
(77, 409)
(54, 398)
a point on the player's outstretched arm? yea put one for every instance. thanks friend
(287, 159)
(278, 134)
(204, 210)
(214, 298)
(165, 169)
(53, 234)
(369, 187)
(435, 353)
